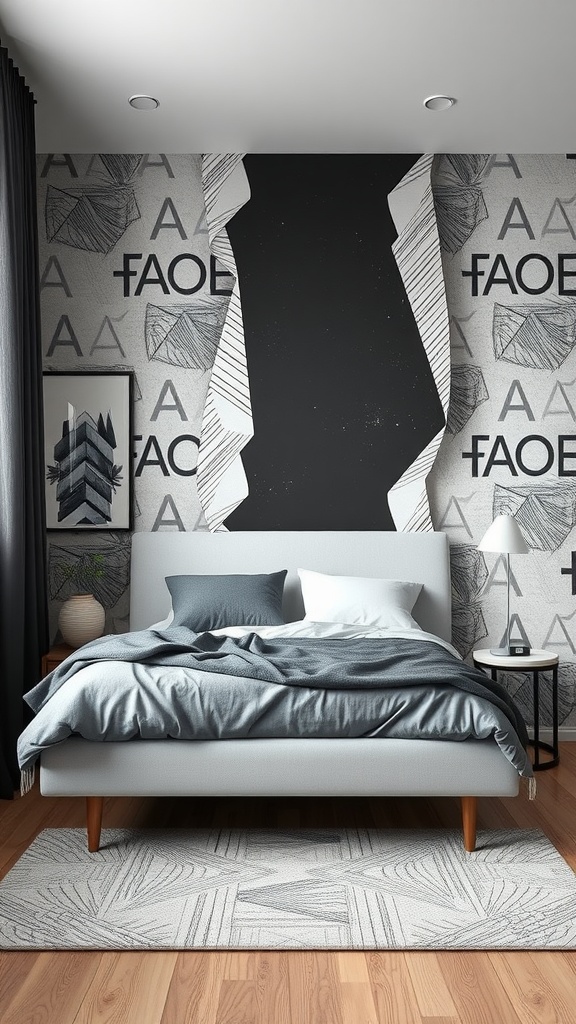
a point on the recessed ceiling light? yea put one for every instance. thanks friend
(439, 102)
(141, 102)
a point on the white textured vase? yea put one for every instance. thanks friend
(81, 619)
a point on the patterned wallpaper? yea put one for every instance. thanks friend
(508, 232)
(135, 274)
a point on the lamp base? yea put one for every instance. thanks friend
(512, 651)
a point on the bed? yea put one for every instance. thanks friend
(284, 766)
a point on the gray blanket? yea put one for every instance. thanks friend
(290, 686)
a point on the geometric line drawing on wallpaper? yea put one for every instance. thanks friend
(460, 205)
(227, 424)
(121, 167)
(419, 261)
(225, 192)
(519, 686)
(84, 471)
(515, 683)
(102, 570)
(539, 336)
(93, 219)
(469, 572)
(456, 330)
(468, 391)
(185, 335)
(545, 513)
(566, 692)
(560, 634)
(468, 627)
(220, 456)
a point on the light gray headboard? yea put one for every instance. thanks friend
(417, 557)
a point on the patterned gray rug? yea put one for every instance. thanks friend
(301, 889)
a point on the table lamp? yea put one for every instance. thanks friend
(504, 537)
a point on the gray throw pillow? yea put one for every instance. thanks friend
(212, 602)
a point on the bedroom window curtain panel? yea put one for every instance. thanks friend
(23, 604)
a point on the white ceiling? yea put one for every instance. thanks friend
(298, 76)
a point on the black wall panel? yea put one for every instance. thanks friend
(343, 398)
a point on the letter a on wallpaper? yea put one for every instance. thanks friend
(508, 406)
(174, 406)
(163, 521)
(64, 336)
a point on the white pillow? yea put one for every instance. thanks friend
(359, 600)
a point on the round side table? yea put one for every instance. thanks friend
(535, 662)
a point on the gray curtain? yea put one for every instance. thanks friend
(23, 604)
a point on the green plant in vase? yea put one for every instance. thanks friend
(83, 572)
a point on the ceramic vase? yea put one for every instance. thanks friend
(81, 619)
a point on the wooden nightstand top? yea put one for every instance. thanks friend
(54, 657)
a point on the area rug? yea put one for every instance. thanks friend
(293, 889)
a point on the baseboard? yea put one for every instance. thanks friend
(564, 733)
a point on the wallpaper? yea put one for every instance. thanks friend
(417, 252)
(136, 274)
(508, 236)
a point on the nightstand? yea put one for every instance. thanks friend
(54, 657)
(535, 663)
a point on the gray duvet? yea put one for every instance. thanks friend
(175, 683)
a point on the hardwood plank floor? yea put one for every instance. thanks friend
(314, 987)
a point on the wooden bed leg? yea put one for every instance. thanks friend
(94, 807)
(469, 808)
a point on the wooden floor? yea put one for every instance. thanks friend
(293, 988)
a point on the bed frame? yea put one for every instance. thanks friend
(283, 767)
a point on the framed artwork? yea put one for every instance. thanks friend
(87, 450)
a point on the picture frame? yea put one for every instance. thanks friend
(88, 450)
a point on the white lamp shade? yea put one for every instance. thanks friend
(504, 535)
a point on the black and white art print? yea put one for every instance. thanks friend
(87, 445)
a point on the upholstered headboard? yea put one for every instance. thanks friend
(416, 557)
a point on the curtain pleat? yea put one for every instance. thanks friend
(23, 598)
